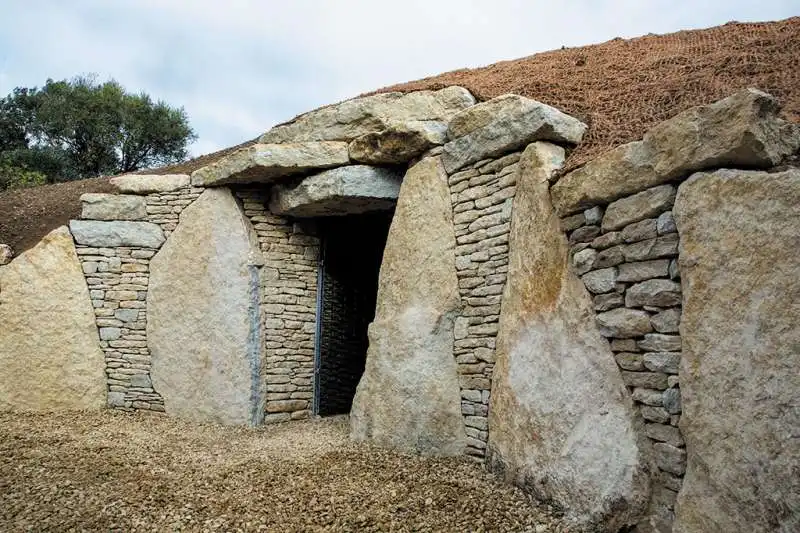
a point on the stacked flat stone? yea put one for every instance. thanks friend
(118, 275)
(289, 300)
(626, 257)
(482, 196)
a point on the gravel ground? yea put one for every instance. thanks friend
(116, 471)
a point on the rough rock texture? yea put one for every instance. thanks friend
(341, 191)
(742, 130)
(561, 424)
(505, 124)
(398, 144)
(149, 183)
(370, 114)
(638, 207)
(411, 340)
(99, 206)
(740, 236)
(6, 254)
(108, 234)
(265, 163)
(50, 357)
(203, 318)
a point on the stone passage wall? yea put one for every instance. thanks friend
(627, 259)
(289, 303)
(117, 273)
(482, 195)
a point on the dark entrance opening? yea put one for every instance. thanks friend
(352, 249)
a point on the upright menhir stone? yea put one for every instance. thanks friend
(203, 319)
(740, 327)
(561, 424)
(50, 356)
(409, 396)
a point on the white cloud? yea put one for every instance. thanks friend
(240, 66)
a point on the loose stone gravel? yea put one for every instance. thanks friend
(116, 471)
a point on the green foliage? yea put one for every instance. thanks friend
(79, 128)
(13, 177)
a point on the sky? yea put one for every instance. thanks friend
(238, 67)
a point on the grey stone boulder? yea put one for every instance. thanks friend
(743, 130)
(654, 293)
(50, 356)
(341, 191)
(109, 234)
(638, 207)
(6, 254)
(398, 143)
(624, 323)
(370, 114)
(149, 183)
(561, 424)
(739, 379)
(600, 281)
(640, 271)
(203, 316)
(266, 163)
(98, 206)
(409, 396)
(505, 124)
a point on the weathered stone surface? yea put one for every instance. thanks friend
(556, 379)
(663, 246)
(504, 124)
(149, 183)
(666, 321)
(346, 190)
(666, 362)
(6, 254)
(411, 339)
(399, 143)
(658, 342)
(265, 163)
(655, 293)
(108, 234)
(97, 206)
(624, 323)
(640, 231)
(742, 130)
(584, 260)
(605, 302)
(740, 236)
(360, 116)
(203, 315)
(600, 281)
(50, 356)
(639, 271)
(637, 207)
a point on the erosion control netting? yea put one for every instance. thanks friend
(622, 88)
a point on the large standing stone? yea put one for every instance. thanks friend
(398, 144)
(265, 163)
(409, 396)
(346, 190)
(50, 356)
(561, 424)
(505, 124)
(149, 183)
(742, 130)
(203, 315)
(98, 206)
(109, 234)
(370, 114)
(740, 385)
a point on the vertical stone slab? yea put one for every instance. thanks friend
(561, 424)
(203, 318)
(50, 357)
(740, 377)
(409, 397)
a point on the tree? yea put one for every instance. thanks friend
(79, 128)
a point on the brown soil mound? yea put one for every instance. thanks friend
(117, 472)
(620, 88)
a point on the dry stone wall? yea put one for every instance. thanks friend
(482, 195)
(289, 303)
(118, 277)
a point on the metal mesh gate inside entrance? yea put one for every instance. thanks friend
(352, 248)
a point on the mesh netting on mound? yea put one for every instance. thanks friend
(621, 88)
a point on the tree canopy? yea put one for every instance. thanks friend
(73, 129)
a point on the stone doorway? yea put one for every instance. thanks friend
(350, 260)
